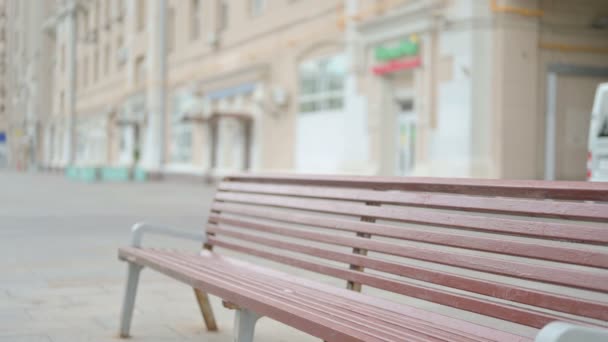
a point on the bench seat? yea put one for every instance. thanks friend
(326, 312)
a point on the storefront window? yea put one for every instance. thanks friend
(322, 84)
(91, 137)
(181, 132)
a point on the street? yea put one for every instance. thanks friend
(60, 279)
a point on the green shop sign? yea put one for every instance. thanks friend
(408, 47)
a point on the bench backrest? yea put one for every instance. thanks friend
(521, 251)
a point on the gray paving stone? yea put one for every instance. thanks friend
(60, 279)
(25, 338)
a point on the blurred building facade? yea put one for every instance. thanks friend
(3, 112)
(499, 89)
(27, 80)
(421, 87)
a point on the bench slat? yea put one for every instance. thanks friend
(508, 312)
(584, 279)
(559, 209)
(247, 287)
(247, 296)
(421, 216)
(490, 288)
(348, 298)
(578, 191)
(572, 254)
(378, 320)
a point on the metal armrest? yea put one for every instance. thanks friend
(139, 229)
(567, 332)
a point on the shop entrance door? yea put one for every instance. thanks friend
(406, 138)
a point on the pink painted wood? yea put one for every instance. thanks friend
(527, 252)
(552, 233)
(310, 306)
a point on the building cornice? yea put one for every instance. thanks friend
(412, 18)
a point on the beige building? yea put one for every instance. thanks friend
(421, 87)
(228, 91)
(27, 80)
(497, 88)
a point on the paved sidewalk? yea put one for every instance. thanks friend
(60, 279)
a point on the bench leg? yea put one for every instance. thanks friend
(566, 332)
(244, 325)
(205, 305)
(128, 303)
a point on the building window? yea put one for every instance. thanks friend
(140, 70)
(141, 15)
(171, 29)
(85, 70)
(119, 10)
(84, 23)
(106, 59)
(257, 7)
(77, 79)
(120, 53)
(181, 132)
(98, 16)
(95, 65)
(322, 84)
(62, 58)
(195, 19)
(224, 15)
(107, 14)
(61, 102)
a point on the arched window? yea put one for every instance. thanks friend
(322, 84)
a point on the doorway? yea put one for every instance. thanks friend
(406, 137)
(570, 92)
(130, 143)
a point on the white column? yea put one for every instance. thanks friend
(68, 142)
(355, 154)
(153, 149)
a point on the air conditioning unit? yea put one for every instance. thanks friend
(279, 96)
(122, 54)
(212, 39)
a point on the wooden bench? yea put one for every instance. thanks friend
(438, 259)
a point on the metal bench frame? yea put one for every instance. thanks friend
(244, 321)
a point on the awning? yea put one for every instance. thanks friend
(215, 116)
(241, 89)
(233, 102)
